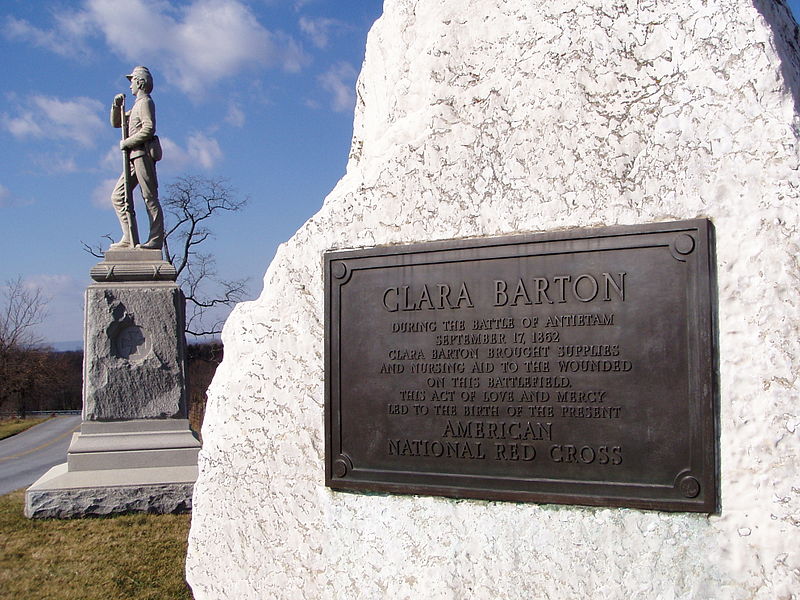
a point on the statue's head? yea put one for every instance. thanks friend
(143, 77)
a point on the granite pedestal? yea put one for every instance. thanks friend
(135, 450)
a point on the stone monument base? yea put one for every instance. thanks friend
(135, 450)
(134, 264)
(113, 467)
(63, 494)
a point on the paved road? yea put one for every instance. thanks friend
(28, 455)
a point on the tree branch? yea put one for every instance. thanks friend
(97, 250)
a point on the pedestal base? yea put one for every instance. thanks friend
(64, 494)
(135, 450)
(116, 467)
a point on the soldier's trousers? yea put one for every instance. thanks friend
(143, 173)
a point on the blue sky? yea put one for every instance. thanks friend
(258, 91)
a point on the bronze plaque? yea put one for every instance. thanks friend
(575, 367)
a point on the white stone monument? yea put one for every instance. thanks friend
(486, 117)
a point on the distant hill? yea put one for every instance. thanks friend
(66, 346)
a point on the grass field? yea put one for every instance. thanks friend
(9, 427)
(130, 557)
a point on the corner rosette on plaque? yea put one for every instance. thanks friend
(681, 246)
(340, 272)
(342, 466)
(689, 486)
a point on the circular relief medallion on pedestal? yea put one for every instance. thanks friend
(131, 343)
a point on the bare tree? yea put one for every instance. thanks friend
(22, 309)
(190, 203)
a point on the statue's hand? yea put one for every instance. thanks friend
(122, 145)
(119, 99)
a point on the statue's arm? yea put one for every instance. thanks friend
(146, 112)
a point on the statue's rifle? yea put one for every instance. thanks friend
(133, 232)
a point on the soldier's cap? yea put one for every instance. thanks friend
(141, 72)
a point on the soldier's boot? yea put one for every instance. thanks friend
(129, 232)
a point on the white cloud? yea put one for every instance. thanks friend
(206, 41)
(46, 117)
(25, 125)
(101, 194)
(49, 284)
(201, 151)
(235, 116)
(319, 29)
(112, 159)
(66, 39)
(8, 200)
(54, 164)
(176, 158)
(5, 196)
(193, 45)
(339, 81)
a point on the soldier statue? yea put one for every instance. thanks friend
(141, 149)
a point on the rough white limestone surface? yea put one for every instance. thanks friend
(484, 117)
